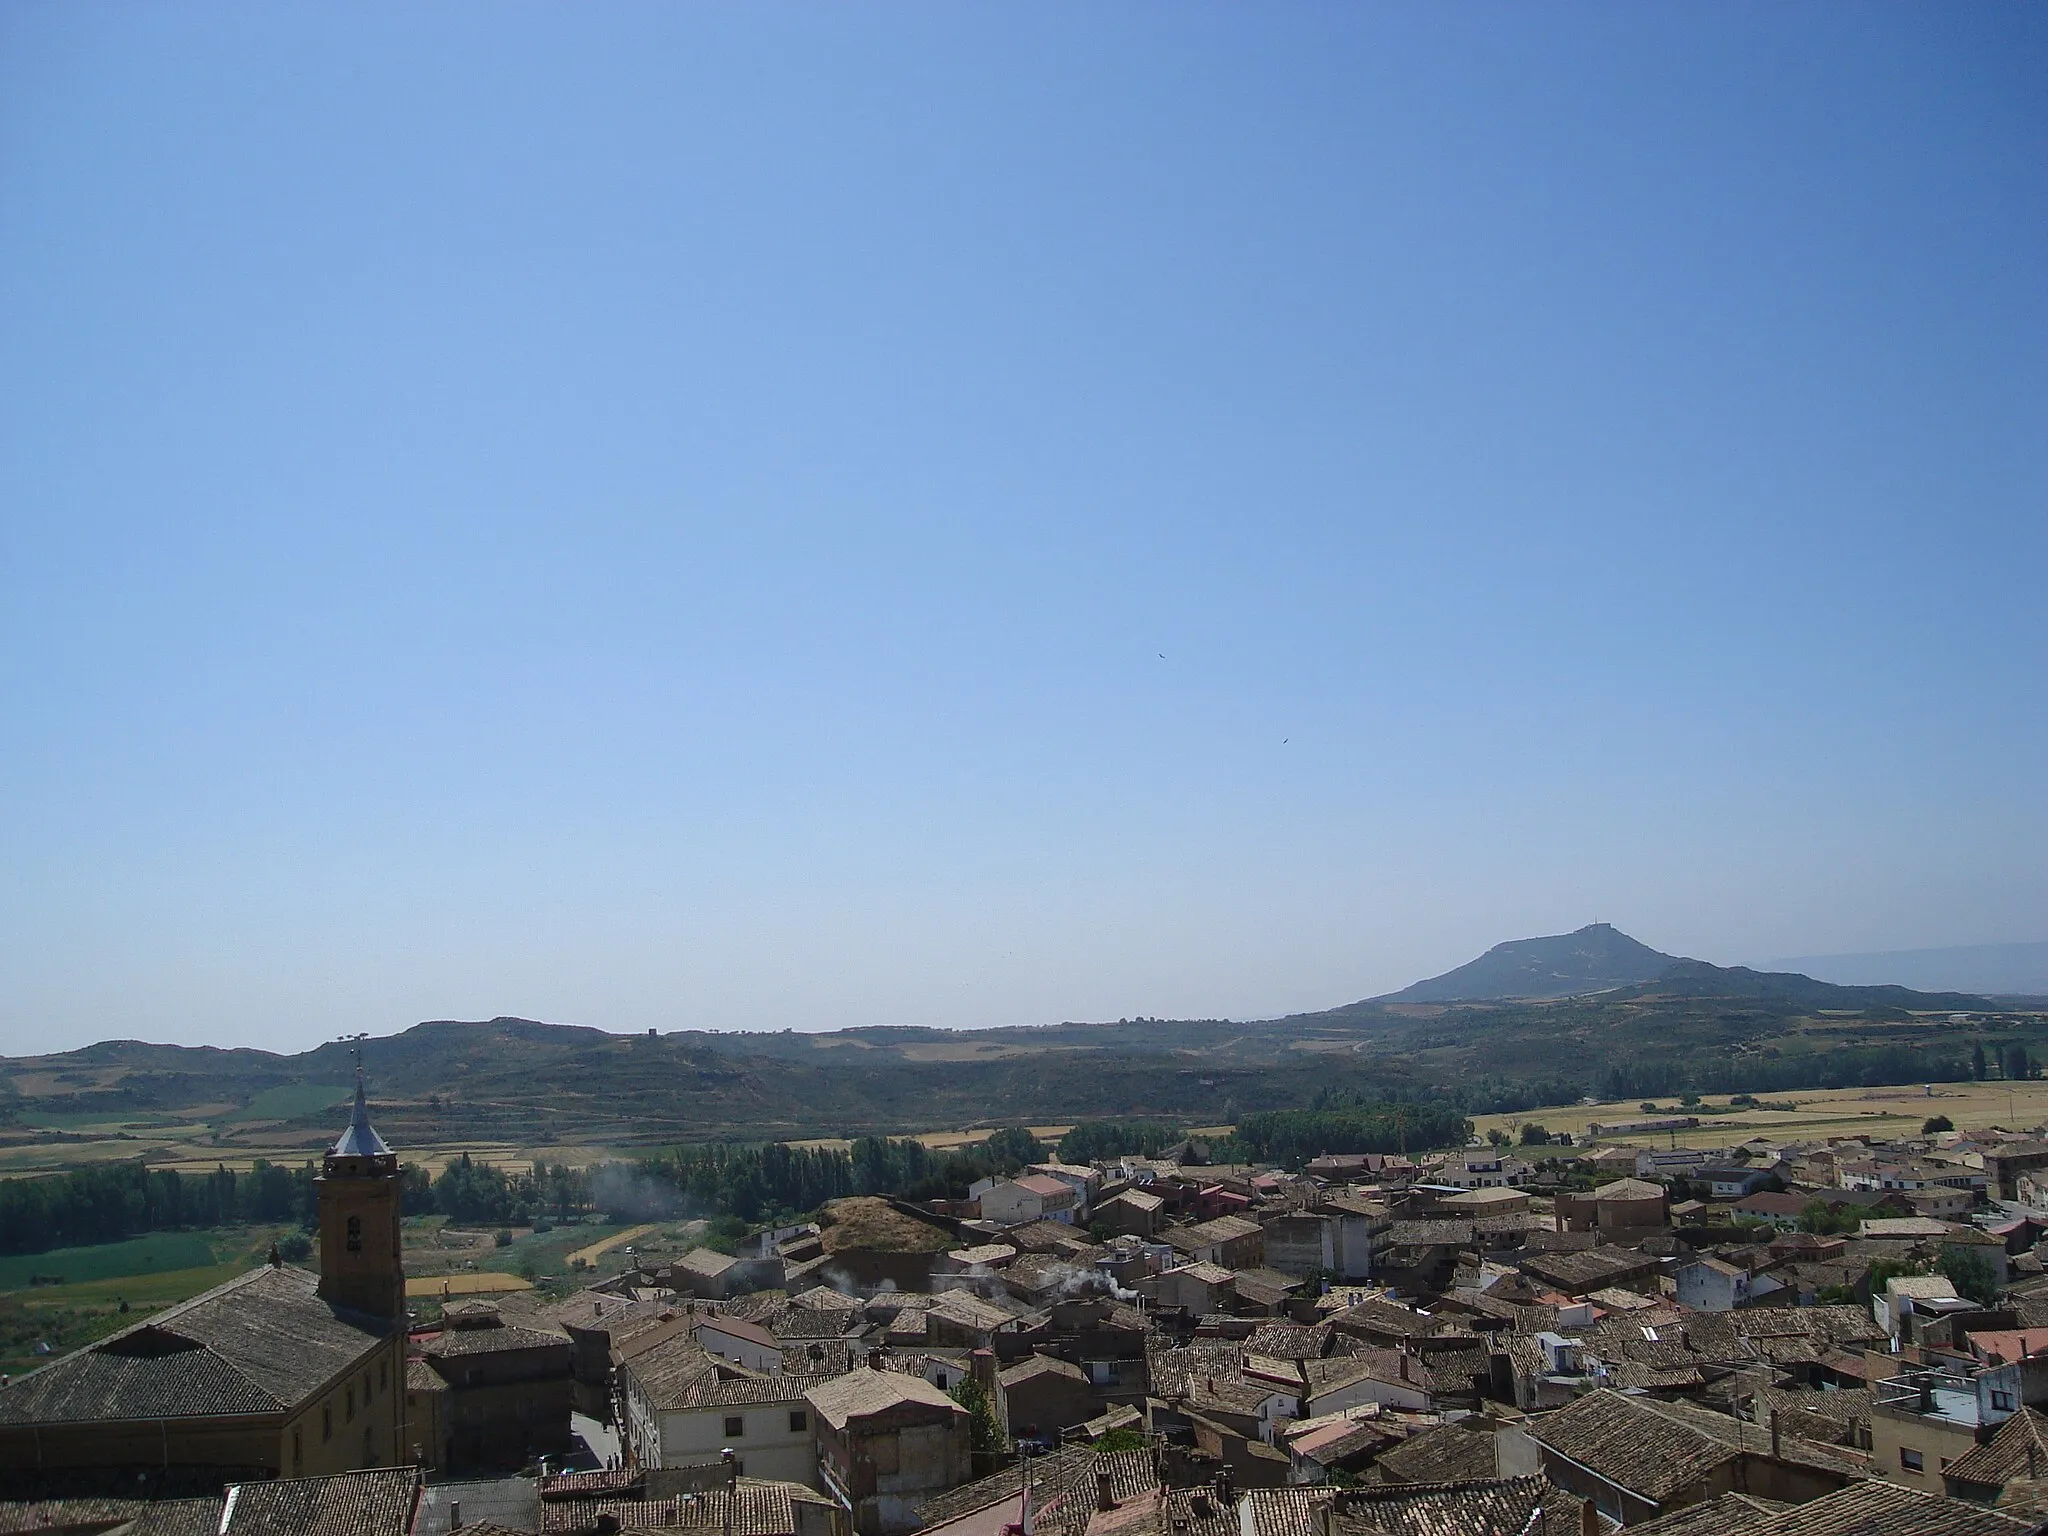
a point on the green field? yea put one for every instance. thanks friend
(145, 1273)
(289, 1102)
(157, 1254)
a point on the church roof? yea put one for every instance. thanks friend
(361, 1138)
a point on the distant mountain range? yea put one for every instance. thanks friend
(2007, 970)
(1534, 1021)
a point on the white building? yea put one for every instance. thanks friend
(1481, 1169)
(1034, 1197)
(679, 1410)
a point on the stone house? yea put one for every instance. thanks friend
(1235, 1242)
(1045, 1395)
(508, 1389)
(1201, 1288)
(1134, 1211)
(886, 1442)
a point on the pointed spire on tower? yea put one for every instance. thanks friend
(361, 1138)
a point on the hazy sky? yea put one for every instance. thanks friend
(777, 516)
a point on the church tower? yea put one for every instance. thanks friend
(361, 1262)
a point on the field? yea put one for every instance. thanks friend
(1820, 1113)
(100, 1279)
(485, 1283)
(158, 1253)
(590, 1253)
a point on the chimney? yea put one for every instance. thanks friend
(874, 1359)
(982, 1363)
(1589, 1518)
(1225, 1495)
(1776, 1453)
(1105, 1497)
(455, 1514)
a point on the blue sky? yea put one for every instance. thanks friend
(762, 517)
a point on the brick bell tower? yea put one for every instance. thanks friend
(361, 1263)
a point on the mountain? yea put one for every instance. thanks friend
(1595, 958)
(1994, 969)
(1536, 1021)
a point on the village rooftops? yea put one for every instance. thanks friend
(862, 1394)
(1629, 1189)
(986, 1255)
(372, 1503)
(1206, 1234)
(498, 1339)
(971, 1311)
(1031, 1367)
(1912, 1228)
(1873, 1509)
(2017, 1449)
(1656, 1449)
(1043, 1184)
(707, 1263)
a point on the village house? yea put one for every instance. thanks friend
(682, 1410)
(1628, 1205)
(1929, 1415)
(1031, 1197)
(886, 1442)
(1480, 1168)
(505, 1390)
(1235, 1242)
(1133, 1211)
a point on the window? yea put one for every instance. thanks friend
(2002, 1401)
(355, 1234)
(939, 1380)
(383, 1374)
(799, 1420)
(1910, 1460)
(298, 1449)
(735, 1426)
(349, 1410)
(327, 1421)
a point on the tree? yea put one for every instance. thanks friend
(984, 1436)
(1935, 1123)
(1534, 1135)
(1978, 1066)
(1497, 1136)
(1013, 1147)
(1882, 1270)
(1970, 1273)
(1825, 1220)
